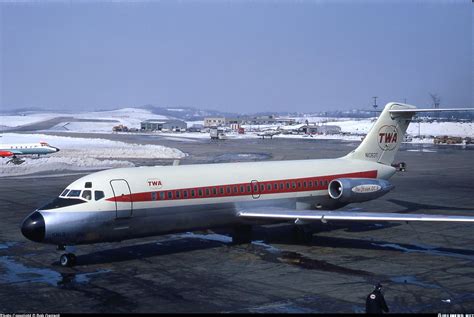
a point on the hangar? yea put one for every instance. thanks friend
(163, 125)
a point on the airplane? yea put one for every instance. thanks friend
(125, 203)
(269, 133)
(12, 150)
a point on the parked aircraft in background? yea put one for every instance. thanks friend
(125, 203)
(268, 133)
(13, 150)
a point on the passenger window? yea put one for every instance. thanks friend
(269, 186)
(214, 190)
(74, 193)
(255, 188)
(177, 195)
(200, 193)
(310, 184)
(162, 195)
(304, 184)
(281, 186)
(87, 194)
(208, 192)
(193, 193)
(228, 189)
(275, 186)
(320, 183)
(153, 196)
(249, 189)
(236, 189)
(185, 193)
(299, 184)
(262, 187)
(293, 185)
(221, 190)
(326, 182)
(88, 185)
(288, 185)
(170, 195)
(99, 194)
(241, 188)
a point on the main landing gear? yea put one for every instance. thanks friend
(242, 234)
(66, 259)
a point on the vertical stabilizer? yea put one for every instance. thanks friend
(384, 138)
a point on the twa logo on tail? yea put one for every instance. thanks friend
(388, 137)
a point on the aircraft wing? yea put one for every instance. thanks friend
(326, 215)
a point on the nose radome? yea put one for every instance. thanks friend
(33, 227)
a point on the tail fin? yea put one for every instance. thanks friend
(384, 138)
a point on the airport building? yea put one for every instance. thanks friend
(214, 122)
(320, 129)
(163, 125)
(235, 123)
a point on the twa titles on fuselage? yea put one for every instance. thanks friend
(14, 150)
(119, 204)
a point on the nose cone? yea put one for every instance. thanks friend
(57, 150)
(33, 227)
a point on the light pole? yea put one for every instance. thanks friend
(375, 103)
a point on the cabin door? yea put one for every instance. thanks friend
(123, 199)
(255, 189)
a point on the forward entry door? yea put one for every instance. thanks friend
(123, 200)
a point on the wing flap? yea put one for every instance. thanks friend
(325, 215)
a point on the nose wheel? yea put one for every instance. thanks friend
(67, 260)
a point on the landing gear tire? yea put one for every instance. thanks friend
(67, 260)
(242, 234)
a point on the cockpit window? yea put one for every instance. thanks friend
(74, 193)
(86, 194)
(88, 185)
(64, 193)
(99, 194)
(62, 202)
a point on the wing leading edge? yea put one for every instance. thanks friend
(325, 215)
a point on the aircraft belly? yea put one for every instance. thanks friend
(70, 228)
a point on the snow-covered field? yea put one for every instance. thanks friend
(130, 117)
(81, 154)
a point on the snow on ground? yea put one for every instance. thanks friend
(81, 154)
(15, 121)
(130, 117)
(461, 129)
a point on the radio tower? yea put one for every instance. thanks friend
(375, 103)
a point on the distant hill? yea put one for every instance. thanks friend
(186, 113)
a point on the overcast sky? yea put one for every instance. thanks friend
(241, 56)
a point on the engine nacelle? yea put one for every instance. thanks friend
(355, 190)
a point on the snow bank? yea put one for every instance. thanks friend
(81, 154)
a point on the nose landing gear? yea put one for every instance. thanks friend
(66, 259)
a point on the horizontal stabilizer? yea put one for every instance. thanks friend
(325, 215)
(428, 110)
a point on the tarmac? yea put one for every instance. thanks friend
(424, 267)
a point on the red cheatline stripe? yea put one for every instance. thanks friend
(251, 188)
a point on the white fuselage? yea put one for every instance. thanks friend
(27, 149)
(147, 201)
